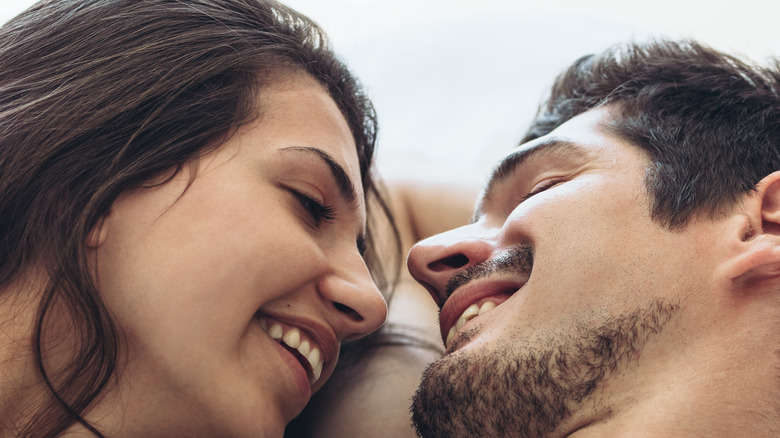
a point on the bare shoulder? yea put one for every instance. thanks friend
(431, 207)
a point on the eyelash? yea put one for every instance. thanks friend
(547, 185)
(325, 213)
(318, 211)
(362, 246)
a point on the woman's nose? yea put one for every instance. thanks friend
(358, 307)
(433, 261)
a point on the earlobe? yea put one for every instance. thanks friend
(97, 236)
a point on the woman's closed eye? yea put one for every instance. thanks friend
(318, 211)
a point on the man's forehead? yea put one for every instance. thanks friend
(589, 130)
(589, 127)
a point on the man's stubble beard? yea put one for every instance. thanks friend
(528, 390)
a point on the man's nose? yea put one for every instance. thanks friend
(433, 261)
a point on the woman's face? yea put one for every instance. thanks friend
(233, 293)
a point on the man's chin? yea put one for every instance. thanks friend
(504, 387)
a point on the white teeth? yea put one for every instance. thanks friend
(472, 311)
(276, 332)
(316, 363)
(450, 335)
(293, 339)
(304, 348)
(317, 372)
(487, 306)
(314, 357)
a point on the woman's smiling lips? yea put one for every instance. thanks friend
(313, 346)
(473, 299)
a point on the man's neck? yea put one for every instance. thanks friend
(722, 382)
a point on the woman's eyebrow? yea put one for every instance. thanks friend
(345, 185)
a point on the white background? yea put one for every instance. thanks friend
(455, 82)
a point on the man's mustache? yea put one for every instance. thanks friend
(519, 258)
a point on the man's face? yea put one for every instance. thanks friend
(571, 281)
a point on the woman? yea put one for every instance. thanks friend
(184, 191)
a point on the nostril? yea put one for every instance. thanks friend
(350, 312)
(452, 262)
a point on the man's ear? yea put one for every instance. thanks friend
(759, 258)
(97, 236)
(769, 191)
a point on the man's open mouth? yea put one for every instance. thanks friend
(471, 301)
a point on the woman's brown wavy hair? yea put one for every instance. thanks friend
(97, 97)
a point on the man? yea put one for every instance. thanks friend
(621, 276)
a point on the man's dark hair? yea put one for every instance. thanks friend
(99, 96)
(709, 122)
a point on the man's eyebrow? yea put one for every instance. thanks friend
(345, 185)
(507, 166)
